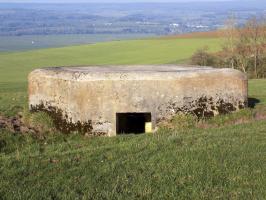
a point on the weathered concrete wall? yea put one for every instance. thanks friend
(89, 98)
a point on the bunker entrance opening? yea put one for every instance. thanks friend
(133, 123)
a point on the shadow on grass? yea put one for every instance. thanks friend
(252, 102)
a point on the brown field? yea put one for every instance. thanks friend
(210, 34)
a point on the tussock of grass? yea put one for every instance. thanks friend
(180, 122)
(184, 122)
(41, 122)
(242, 116)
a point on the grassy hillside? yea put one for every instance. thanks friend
(218, 163)
(224, 161)
(14, 67)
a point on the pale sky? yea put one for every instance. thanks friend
(99, 1)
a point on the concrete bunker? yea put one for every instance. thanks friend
(110, 100)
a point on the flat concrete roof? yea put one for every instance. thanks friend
(133, 72)
(128, 68)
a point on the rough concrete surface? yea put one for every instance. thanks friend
(88, 99)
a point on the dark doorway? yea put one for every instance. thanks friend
(131, 122)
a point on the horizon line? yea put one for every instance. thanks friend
(129, 2)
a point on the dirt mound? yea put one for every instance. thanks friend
(15, 125)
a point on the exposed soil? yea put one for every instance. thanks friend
(15, 125)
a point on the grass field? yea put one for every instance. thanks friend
(30, 42)
(223, 162)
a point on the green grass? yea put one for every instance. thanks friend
(226, 162)
(14, 67)
(256, 90)
(223, 163)
(23, 43)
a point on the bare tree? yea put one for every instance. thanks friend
(245, 44)
(253, 35)
(242, 54)
(230, 35)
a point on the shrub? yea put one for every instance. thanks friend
(203, 58)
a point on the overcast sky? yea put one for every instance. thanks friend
(98, 1)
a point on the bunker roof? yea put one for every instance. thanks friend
(129, 72)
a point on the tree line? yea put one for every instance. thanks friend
(243, 48)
